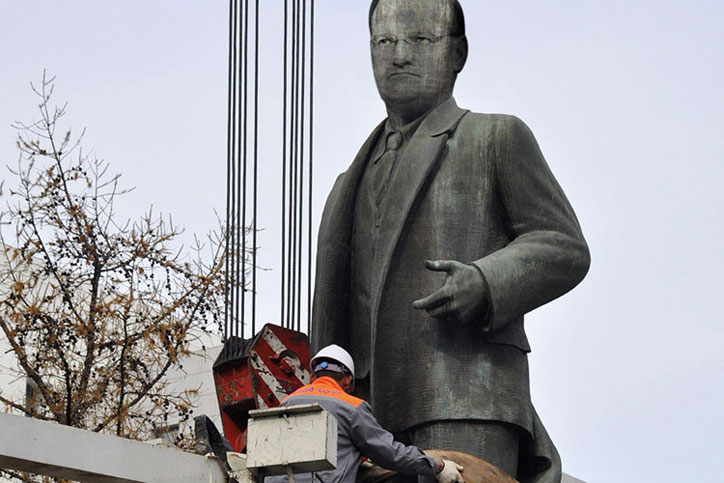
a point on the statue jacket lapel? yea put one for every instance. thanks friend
(332, 282)
(415, 170)
(332, 285)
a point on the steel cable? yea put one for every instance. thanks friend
(242, 200)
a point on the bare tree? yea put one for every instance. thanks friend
(96, 311)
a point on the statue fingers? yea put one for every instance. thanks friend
(433, 301)
(444, 312)
(448, 266)
(451, 311)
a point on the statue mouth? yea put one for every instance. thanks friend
(405, 74)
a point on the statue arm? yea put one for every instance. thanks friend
(331, 280)
(548, 255)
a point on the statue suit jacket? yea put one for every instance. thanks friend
(473, 188)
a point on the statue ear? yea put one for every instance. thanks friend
(461, 53)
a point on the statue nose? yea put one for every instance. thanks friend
(403, 54)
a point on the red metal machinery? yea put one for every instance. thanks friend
(258, 373)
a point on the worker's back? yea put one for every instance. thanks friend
(358, 434)
(327, 393)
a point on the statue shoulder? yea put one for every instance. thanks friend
(498, 129)
(489, 129)
(334, 193)
(507, 122)
(509, 126)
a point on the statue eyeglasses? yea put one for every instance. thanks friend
(386, 44)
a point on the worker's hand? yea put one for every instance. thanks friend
(464, 296)
(450, 473)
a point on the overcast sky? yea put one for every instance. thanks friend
(624, 97)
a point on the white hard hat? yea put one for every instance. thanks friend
(335, 353)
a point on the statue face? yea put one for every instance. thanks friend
(414, 58)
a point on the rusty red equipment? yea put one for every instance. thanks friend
(258, 373)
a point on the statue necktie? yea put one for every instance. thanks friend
(386, 165)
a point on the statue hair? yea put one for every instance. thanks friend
(458, 20)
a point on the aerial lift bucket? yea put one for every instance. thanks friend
(258, 373)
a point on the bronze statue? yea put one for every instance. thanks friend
(445, 230)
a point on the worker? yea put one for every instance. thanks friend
(359, 433)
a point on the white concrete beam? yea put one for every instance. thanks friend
(60, 451)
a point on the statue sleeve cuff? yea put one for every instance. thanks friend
(487, 315)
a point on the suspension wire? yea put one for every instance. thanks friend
(256, 166)
(311, 166)
(284, 162)
(297, 173)
(292, 163)
(244, 157)
(238, 228)
(241, 148)
(289, 171)
(289, 85)
(297, 162)
(231, 114)
(301, 161)
(241, 182)
(233, 227)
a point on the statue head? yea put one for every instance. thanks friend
(418, 49)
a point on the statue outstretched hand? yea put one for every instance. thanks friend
(464, 296)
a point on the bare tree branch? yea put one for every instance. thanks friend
(97, 310)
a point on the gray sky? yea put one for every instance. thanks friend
(624, 97)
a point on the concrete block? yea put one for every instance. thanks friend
(303, 438)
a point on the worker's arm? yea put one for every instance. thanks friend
(380, 446)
